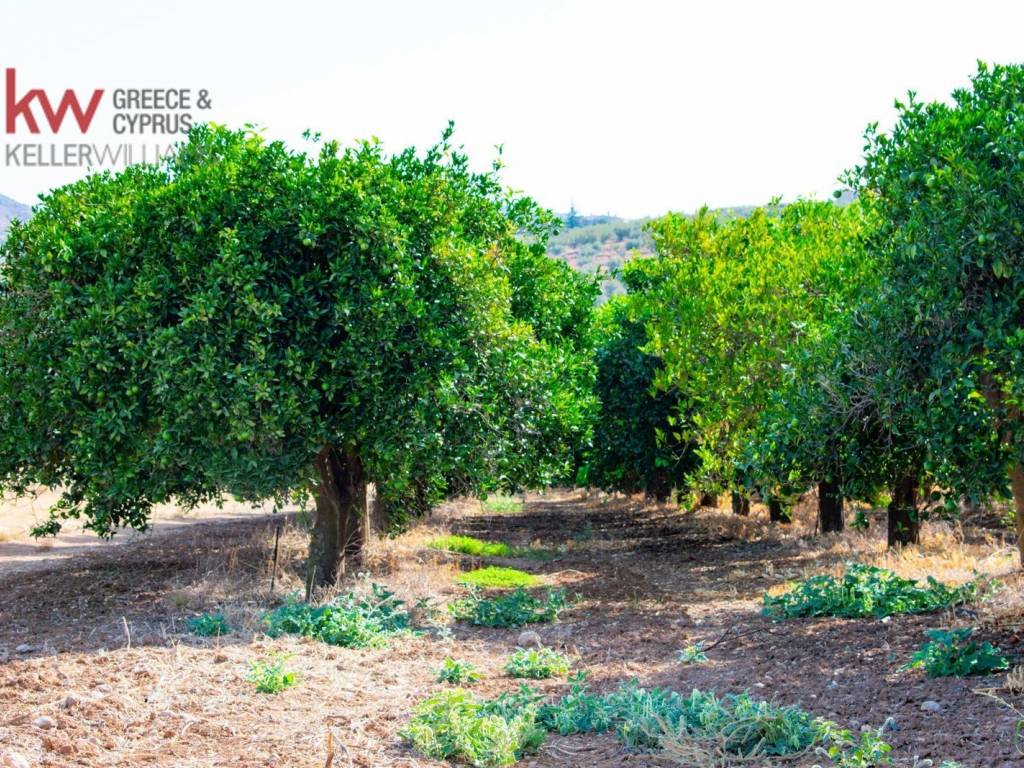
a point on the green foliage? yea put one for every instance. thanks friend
(502, 504)
(693, 654)
(209, 625)
(538, 663)
(512, 609)
(497, 577)
(953, 653)
(870, 750)
(468, 545)
(457, 672)
(579, 711)
(206, 326)
(865, 591)
(348, 621)
(270, 675)
(452, 725)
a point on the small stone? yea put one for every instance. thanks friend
(45, 722)
(220, 658)
(866, 728)
(886, 619)
(24, 648)
(832, 685)
(103, 688)
(759, 685)
(13, 760)
(931, 706)
(890, 724)
(70, 701)
(528, 638)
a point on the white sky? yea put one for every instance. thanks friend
(632, 108)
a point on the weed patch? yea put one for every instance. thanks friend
(865, 591)
(952, 653)
(538, 664)
(496, 577)
(453, 725)
(502, 504)
(348, 621)
(457, 672)
(270, 676)
(692, 654)
(209, 625)
(468, 545)
(514, 609)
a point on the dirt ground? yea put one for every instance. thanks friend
(96, 641)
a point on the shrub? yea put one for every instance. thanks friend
(865, 591)
(348, 621)
(538, 663)
(270, 676)
(457, 672)
(209, 625)
(496, 577)
(692, 654)
(513, 609)
(452, 725)
(953, 654)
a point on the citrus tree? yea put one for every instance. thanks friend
(947, 185)
(251, 320)
(739, 303)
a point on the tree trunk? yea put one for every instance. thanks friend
(777, 513)
(659, 488)
(375, 520)
(740, 504)
(338, 531)
(708, 500)
(904, 522)
(830, 507)
(1017, 486)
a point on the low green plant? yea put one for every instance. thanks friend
(513, 609)
(497, 577)
(502, 504)
(579, 711)
(865, 591)
(537, 663)
(952, 653)
(457, 672)
(870, 750)
(349, 621)
(692, 654)
(209, 625)
(467, 545)
(453, 725)
(270, 675)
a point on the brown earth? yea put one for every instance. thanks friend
(125, 685)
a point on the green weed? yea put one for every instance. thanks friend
(692, 654)
(865, 591)
(457, 672)
(502, 504)
(453, 725)
(270, 676)
(513, 609)
(497, 577)
(537, 663)
(952, 653)
(579, 711)
(348, 621)
(468, 545)
(209, 625)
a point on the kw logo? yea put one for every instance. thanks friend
(23, 107)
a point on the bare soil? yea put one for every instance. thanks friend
(110, 662)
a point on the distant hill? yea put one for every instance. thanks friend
(11, 209)
(589, 243)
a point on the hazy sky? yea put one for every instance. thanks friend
(632, 108)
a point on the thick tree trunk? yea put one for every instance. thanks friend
(708, 500)
(375, 520)
(830, 507)
(904, 522)
(777, 513)
(338, 531)
(740, 504)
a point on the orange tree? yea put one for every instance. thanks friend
(247, 319)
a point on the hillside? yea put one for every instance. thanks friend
(11, 209)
